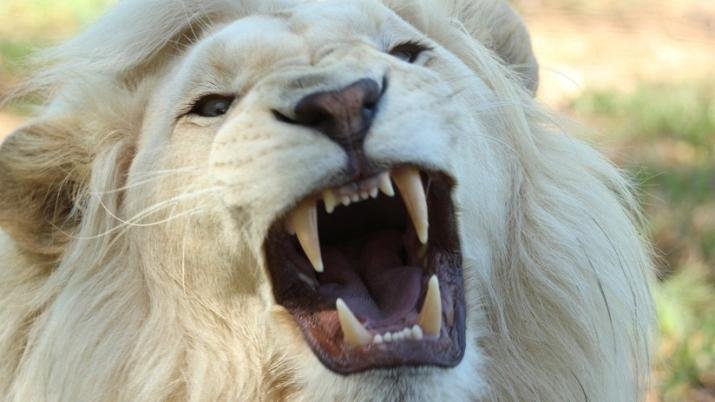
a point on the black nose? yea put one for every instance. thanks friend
(344, 115)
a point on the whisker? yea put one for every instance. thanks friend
(158, 175)
(125, 224)
(158, 206)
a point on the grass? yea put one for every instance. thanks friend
(687, 322)
(26, 25)
(680, 112)
(665, 135)
(47, 18)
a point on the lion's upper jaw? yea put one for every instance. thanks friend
(387, 148)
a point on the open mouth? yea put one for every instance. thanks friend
(372, 274)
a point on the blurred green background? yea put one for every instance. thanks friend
(641, 73)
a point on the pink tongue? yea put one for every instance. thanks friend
(370, 277)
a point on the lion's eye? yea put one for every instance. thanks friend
(212, 105)
(409, 51)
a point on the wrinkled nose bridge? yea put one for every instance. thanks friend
(344, 115)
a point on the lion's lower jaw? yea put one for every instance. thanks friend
(462, 383)
(300, 375)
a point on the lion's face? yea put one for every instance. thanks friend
(313, 200)
(337, 143)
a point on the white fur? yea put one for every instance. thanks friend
(159, 292)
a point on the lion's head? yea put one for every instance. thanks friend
(312, 200)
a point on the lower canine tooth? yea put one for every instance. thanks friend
(353, 332)
(304, 221)
(430, 318)
(413, 193)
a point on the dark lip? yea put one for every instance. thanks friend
(317, 318)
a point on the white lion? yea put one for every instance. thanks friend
(312, 201)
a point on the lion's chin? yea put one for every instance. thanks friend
(371, 283)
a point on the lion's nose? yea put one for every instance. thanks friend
(343, 115)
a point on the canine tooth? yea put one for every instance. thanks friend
(417, 332)
(330, 201)
(353, 332)
(386, 185)
(374, 192)
(387, 337)
(304, 221)
(430, 318)
(377, 339)
(345, 200)
(410, 185)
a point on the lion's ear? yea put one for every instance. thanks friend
(499, 27)
(41, 169)
(493, 23)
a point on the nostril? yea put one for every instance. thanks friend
(283, 118)
(303, 117)
(312, 117)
